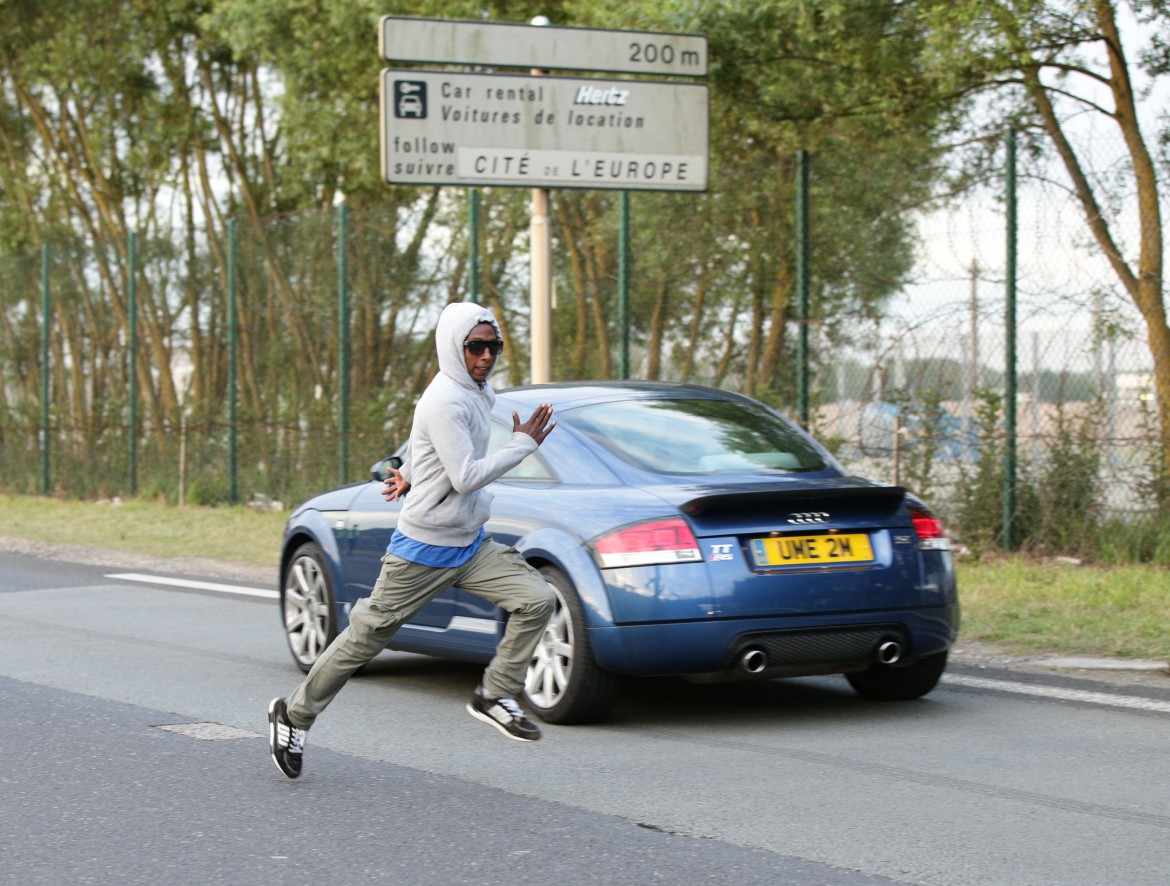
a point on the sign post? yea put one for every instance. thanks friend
(540, 274)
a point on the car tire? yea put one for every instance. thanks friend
(308, 605)
(565, 685)
(888, 683)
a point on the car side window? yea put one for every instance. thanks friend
(532, 468)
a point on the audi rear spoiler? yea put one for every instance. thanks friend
(876, 499)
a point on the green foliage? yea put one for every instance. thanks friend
(981, 518)
(1067, 487)
(923, 433)
(1144, 539)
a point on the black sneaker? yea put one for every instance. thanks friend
(286, 742)
(504, 714)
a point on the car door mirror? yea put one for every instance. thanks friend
(381, 469)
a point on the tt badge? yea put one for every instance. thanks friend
(721, 552)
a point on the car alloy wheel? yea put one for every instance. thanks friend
(307, 602)
(565, 684)
(552, 662)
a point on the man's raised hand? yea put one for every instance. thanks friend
(539, 424)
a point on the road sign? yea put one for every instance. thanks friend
(502, 44)
(543, 132)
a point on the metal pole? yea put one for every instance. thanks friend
(973, 372)
(1009, 447)
(133, 297)
(473, 247)
(624, 282)
(233, 395)
(342, 348)
(540, 270)
(45, 323)
(802, 288)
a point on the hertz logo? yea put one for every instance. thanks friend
(807, 517)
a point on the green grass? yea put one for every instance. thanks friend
(1046, 606)
(232, 534)
(1018, 604)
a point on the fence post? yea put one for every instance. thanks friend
(342, 347)
(233, 336)
(624, 283)
(45, 321)
(132, 287)
(1009, 419)
(802, 288)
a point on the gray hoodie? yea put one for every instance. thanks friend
(449, 465)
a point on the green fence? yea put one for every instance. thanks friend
(270, 358)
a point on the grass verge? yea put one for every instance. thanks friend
(1049, 606)
(232, 534)
(1022, 605)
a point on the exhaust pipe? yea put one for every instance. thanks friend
(889, 652)
(754, 660)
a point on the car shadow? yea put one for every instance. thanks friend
(666, 702)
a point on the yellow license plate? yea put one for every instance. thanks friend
(811, 550)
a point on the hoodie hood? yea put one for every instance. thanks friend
(456, 321)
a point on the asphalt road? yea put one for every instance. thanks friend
(135, 751)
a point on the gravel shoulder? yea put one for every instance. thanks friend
(970, 654)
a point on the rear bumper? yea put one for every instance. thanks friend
(709, 646)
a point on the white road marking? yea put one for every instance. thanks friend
(196, 585)
(1117, 701)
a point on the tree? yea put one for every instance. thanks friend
(715, 300)
(1041, 66)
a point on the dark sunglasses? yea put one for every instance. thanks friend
(495, 346)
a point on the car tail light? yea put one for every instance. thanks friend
(929, 528)
(646, 544)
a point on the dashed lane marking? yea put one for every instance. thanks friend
(195, 585)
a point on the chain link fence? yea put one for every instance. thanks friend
(265, 367)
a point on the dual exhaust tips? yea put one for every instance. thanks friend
(754, 660)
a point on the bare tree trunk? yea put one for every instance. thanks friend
(1145, 285)
(571, 236)
(697, 326)
(657, 324)
(773, 344)
(728, 344)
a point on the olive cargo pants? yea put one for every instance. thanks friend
(497, 573)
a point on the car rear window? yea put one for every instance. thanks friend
(697, 436)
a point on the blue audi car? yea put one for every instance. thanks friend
(686, 531)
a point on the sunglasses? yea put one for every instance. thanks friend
(477, 347)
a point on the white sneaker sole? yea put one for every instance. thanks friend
(484, 718)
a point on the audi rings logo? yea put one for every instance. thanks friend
(806, 517)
